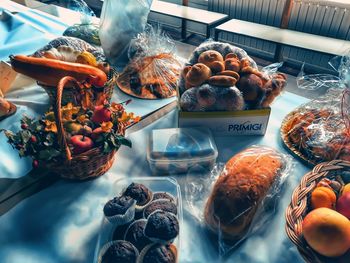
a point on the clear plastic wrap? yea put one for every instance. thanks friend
(154, 67)
(223, 66)
(319, 130)
(86, 30)
(121, 21)
(237, 199)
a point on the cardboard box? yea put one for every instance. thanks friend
(245, 122)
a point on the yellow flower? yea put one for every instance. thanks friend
(129, 117)
(50, 126)
(106, 126)
(68, 111)
(82, 118)
(137, 119)
(124, 117)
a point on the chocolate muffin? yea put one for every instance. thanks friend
(139, 192)
(120, 251)
(120, 210)
(160, 204)
(159, 254)
(162, 226)
(118, 205)
(163, 195)
(119, 231)
(135, 234)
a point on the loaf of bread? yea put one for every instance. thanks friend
(240, 189)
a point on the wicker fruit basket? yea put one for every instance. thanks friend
(75, 141)
(300, 203)
(86, 165)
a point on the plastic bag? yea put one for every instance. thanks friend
(227, 66)
(320, 129)
(154, 67)
(121, 21)
(86, 30)
(237, 199)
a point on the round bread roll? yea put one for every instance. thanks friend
(197, 74)
(239, 191)
(213, 59)
(252, 88)
(233, 64)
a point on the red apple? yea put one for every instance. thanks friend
(81, 143)
(343, 205)
(101, 114)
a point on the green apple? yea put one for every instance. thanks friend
(72, 127)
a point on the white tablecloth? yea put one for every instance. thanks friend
(61, 223)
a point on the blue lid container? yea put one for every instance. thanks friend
(178, 150)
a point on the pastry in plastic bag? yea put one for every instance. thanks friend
(86, 30)
(316, 131)
(239, 198)
(231, 67)
(238, 192)
(319, 130)
(75, 43)
(154, 67)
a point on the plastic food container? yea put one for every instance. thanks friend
(155, 184)
(174, 151)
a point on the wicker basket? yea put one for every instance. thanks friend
(86, 165)
(70, 93)
(298, 208)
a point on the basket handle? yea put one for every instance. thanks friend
(62, 141)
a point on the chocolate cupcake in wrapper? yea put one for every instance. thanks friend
(140, 193)
(162, 227)
(118, 251)
(158, 253)
(160, 204)
(164, 195)
(119, 231)
(135, 234)
(120, 210)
